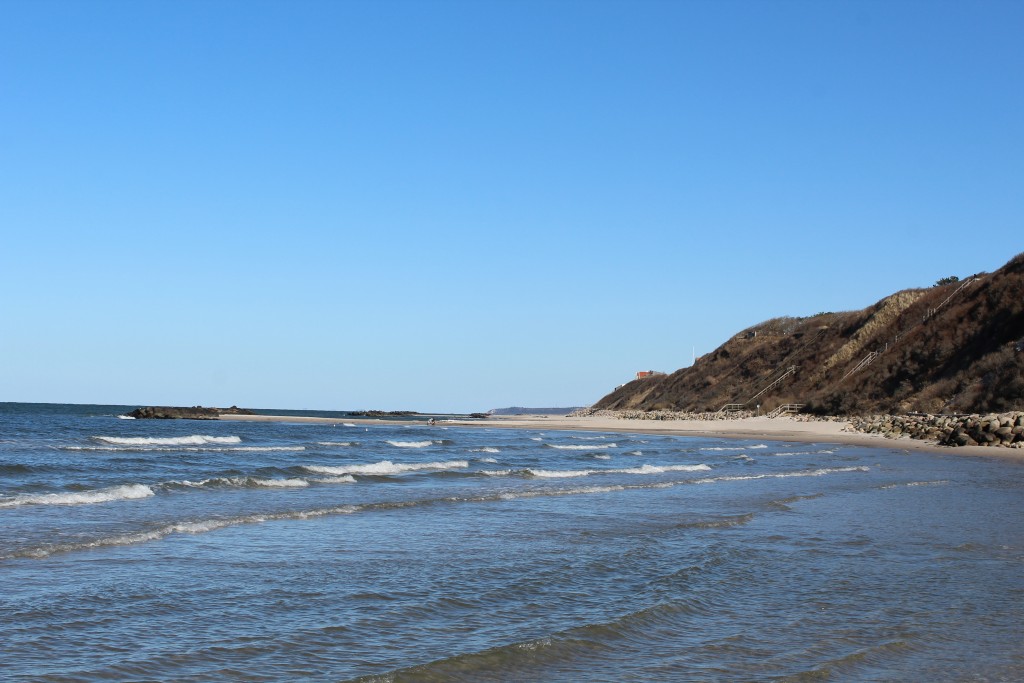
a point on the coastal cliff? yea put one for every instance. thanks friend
(957, 347)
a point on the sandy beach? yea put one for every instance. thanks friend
(773, 429)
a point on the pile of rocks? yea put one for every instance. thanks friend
(193, 413)
(1005, 429)
(660, 414)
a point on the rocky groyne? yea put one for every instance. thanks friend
(1002, 429)
(178, 413)
(661, 414)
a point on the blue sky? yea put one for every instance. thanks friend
(457, 206)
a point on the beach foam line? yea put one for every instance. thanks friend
(124, 492)
(386, 467)
(193, 440)
(581, 447)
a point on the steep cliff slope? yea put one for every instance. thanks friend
(955, 347)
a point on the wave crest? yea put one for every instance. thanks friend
(125, 492)
(386, 467)
(193, 440)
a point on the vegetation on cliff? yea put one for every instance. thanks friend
(954, 347)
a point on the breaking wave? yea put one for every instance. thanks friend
(412, 444)
(194, 440)
(125, 492)
(581, 447)
(191, 449)
(203, 526)
(386, 467)
(244, 482)
(485, 449)
(565, 474)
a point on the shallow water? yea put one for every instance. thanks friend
(201, 551)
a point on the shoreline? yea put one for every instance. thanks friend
(771, 429)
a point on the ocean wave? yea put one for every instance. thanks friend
(125, 417)
(194, 440)
(242, 482)
(783, 475)
(190, 449)
(567, 474)
(125, 492)
(735, 448)
(203, 526)
(635, 453)
(343, 444)
(343, 479)
(386, 467)
(603, 457)
(412, 444)
(196, 527)
(485, 449)
(940, 482)
(491, 460)
(579, 447)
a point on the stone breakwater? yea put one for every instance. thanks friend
(660, 414)
(1004, 429)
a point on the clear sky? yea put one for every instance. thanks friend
(459, 206)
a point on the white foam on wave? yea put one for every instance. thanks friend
(245, 482)
(125, 417)
(662, 469)
(643, 469)
(190, 449)
(125, 492)
(941, 482)
(197, 527)
(411, 444)
(583, 490)
(487, 460)
(783, 475)
(635, 453)
(343, 479)
(193, 440)
(386, 467)
(336, 443)
(347, 424)
(577, 447)
(736, 448)
(603, 457)
(589, 438)
(485, 449)
(536, 438)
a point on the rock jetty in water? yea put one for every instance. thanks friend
(193, 413)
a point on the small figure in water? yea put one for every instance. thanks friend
(431, 421)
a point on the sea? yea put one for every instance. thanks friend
(176, 550)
